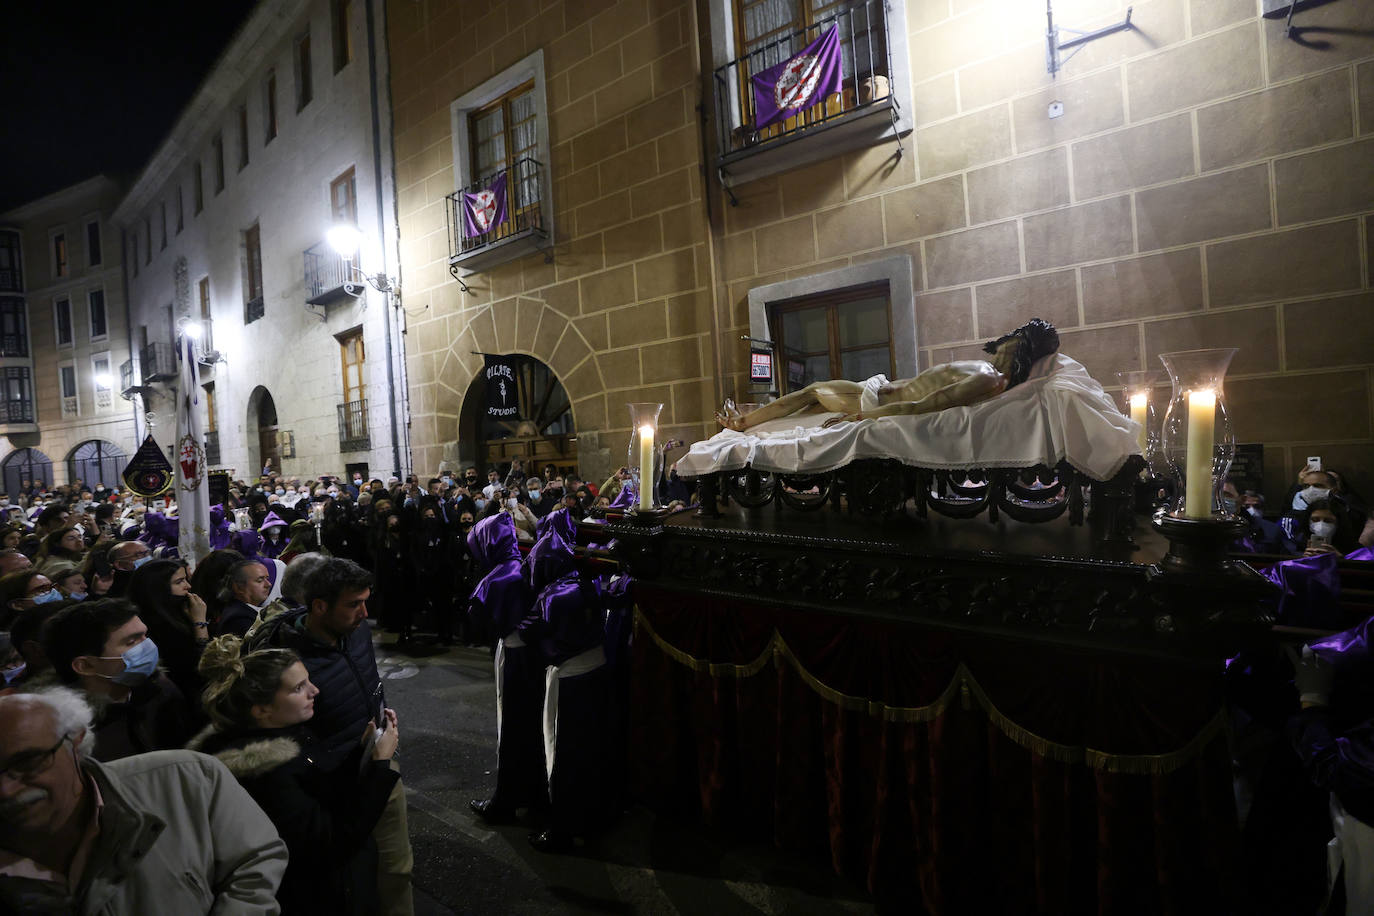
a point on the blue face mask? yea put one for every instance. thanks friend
(47, 597)
(480, 503)
(141, 560)
(139, 664)
(14, 674)
(77, 596)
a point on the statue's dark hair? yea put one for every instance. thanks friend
(1036, 338)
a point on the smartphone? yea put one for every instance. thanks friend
(1314, 462)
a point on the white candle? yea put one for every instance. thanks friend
(646, 467)
(1140, 404)
(1202, 407)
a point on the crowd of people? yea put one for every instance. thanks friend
(155, 717)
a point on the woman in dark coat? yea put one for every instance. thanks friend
(176, 618)
(259, 704)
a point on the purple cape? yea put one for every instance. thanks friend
(503, 597)
(1311, 591)
(221, 537)
(560, 520)
(569, 618)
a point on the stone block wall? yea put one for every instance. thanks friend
(1210, 183)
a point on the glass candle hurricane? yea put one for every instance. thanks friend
(645, 460)
(1196, 436)
(1138, 403)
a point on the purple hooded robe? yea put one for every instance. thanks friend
(503, 596)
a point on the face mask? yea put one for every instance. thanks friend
(1228, 505)
(447, 481)
(1325, 530)
(333, 493)
(535, 496)
(139, 664)
(1255, 512)
(472, 481)
(357, 481)
(14, 674)
(141, 560)
(47, 597)
(1310, 495)
(77, 596)
(512, 503)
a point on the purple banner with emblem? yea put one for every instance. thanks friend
(803, 79)
(484, 210)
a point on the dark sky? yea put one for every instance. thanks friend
(92, 87)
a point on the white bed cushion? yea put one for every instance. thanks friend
(1059, 413)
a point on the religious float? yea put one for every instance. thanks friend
(955, 648)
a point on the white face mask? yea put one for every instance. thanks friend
(1326, 530)
(1254, 511)
(1309, 495)
(512, 503)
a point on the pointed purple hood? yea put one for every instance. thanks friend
(551, 558)
(503, 596)
(273, 520)
(560, 520)
(492, 541)
(249, 544)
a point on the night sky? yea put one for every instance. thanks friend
(95, 87)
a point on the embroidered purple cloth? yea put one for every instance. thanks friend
(803, 79)
(1311, 591)
(503, 596)
(486, 209)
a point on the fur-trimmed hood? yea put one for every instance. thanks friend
(249, 754)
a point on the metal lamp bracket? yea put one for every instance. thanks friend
(1054, 48)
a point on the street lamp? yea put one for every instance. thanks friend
(104, 380)
(346, 240)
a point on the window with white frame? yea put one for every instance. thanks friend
(102, 378)
(501, 141)
(67, 380)
(62, 321)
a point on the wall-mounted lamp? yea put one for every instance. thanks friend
(198, 330)
(1053, 59)
(345, 239)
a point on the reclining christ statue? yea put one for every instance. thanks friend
(953, 384)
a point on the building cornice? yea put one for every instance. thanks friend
(57, 200)
(256, 39)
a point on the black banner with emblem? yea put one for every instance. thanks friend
(149, 472)
(503, 401)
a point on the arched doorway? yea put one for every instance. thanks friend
(262, 432)
(97, 461)
(25, 464)
(542, 433)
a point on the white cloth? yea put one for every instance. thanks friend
(578, 664)
(1353, 847)
(1060, 413)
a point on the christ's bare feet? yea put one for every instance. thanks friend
(730, 417)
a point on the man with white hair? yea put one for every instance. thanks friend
(166, 832)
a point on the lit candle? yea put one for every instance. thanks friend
(646, 467)
(1202, 407)
(1140, 404)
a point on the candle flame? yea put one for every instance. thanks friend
(1203, 397)
(646, 432)
(1140, 400)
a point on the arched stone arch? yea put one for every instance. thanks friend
(260, 427)
(96, 461)
(529, 327)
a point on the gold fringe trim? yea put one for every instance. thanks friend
(966, 686)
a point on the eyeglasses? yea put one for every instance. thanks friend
(30, 763)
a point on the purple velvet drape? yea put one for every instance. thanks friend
(949, 814)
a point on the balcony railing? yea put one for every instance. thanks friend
(253, 309)
(16, 411)
(327, 276)
(353, 435)
(212, 446)
(159, 362)
(865, 71)
(127, 381)
(14, 345)
(522, 216)
(69, 406)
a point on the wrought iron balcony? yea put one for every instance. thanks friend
(127, 381)
(866, 88)
(328, 277)
(353, 434)
(253, 309)
(14, 319)
(159, 362)
(69, 406)
(212, 446)
(17, 411)
(473, 240)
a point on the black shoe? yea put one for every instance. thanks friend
(491, 812)
(552, 841)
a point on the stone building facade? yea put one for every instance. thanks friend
(1205, 180)
(63, 336)
(224, 233)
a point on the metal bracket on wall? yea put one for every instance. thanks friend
(1054, 47)
(1272, 9)
(453, 272)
